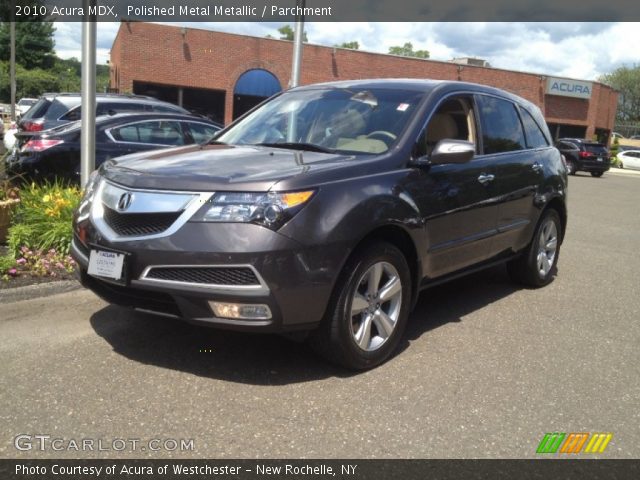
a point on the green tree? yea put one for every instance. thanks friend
(352, 45)
(286, 33)
(29, 83)
(407, 51)
(34, 43)
(627, 81)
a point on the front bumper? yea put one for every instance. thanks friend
(295, 282)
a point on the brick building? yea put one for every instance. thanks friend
(224, 74)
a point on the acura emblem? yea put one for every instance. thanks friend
(125, 201)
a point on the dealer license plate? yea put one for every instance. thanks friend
(106, 264)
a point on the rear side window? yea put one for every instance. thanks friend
(104, 108)
(72, 115)
(165, 108)
(533, 132)
(38, 110)
(57, 109)
(501, 127)
(157, 132)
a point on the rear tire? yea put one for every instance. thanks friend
(368, 311)
(536, 266)
(597, 174)
(571, 167)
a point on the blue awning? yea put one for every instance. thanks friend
(257, 82)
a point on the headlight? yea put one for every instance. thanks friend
(269, 209)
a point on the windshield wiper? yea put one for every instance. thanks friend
(311, 147)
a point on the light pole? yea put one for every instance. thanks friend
(296, 62)
(88, 108)
(13, 65)
(297, 46)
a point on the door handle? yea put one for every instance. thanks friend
(484, 179)
(536, 167)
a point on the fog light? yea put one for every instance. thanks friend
(241, 311)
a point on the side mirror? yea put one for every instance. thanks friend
(452, 151)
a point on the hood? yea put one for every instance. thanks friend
(217, 167)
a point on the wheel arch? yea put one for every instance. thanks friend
(559, 205)
(401, 239)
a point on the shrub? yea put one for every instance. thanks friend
(42, 220)
(7, 262)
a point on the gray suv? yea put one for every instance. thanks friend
(56, 109)
(327, 210)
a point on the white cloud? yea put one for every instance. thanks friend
(579, 50)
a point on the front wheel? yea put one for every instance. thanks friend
(369, 308)
(536, 266)
(596, 174)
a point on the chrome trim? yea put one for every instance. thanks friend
(144, 201)
(156, 312)
(258, 289)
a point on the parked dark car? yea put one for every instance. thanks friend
(55, 153)
(327, 210)
(584, 156)
(56, 109)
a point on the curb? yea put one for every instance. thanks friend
(623, 171)
(28, 292)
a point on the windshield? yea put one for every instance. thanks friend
(328, 119)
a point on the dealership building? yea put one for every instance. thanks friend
(223, 75)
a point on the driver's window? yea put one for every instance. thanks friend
(454, 119)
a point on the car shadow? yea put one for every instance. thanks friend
(263, 359)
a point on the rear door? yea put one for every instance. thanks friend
(518, 160)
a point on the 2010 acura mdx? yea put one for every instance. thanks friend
(328, 209)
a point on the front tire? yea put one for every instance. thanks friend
(368, 311)
(536, 266)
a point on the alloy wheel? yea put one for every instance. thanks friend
(375, 306)
(547, 247)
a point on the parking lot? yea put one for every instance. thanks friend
(486, 368)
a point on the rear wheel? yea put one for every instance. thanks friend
(536, 266)
(571, 167)
(596, 174)
(368, 312)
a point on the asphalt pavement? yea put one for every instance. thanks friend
(486, 368)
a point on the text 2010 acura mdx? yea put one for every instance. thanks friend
(328, 209)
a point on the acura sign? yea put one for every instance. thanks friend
(568, 88)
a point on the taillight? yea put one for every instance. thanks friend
(32, 126)
(585, 154)
(39, 145)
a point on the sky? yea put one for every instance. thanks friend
(576, 50)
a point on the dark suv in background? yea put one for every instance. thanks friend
(327, 210)
(584, 156)
(55, 109)
(54, 154)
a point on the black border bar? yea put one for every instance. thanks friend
(325, 10)
(566, 469)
